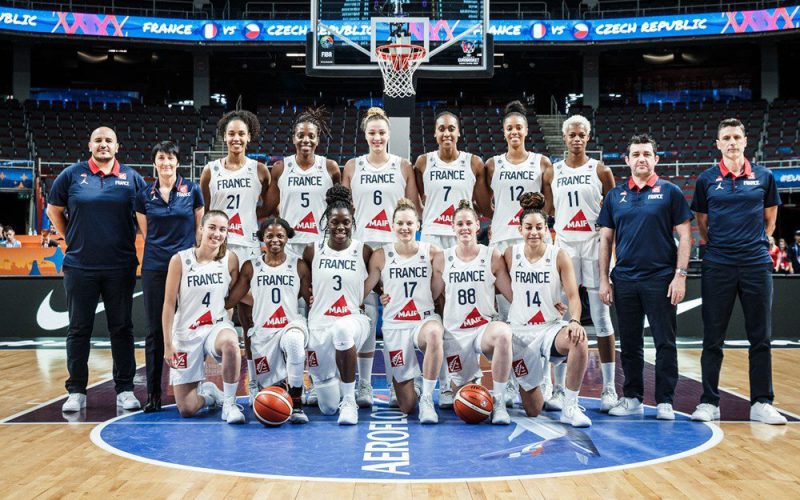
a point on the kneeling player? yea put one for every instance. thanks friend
(469, 273)
(279, 335)
(198, 281)
(409, 322)
(539, 271)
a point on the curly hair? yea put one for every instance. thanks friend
(249, 119)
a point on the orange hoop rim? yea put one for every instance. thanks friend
(384, 51)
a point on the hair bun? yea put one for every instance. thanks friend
(376, 111)
(405, 203)
(515, 107)
(465, 204)
(338, 193)
(532, 201)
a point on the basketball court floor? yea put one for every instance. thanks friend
(101, 452)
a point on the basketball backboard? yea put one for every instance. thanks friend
(345, 34)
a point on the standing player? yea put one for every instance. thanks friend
(445, 177)
(540, 272)
(378, 180)
(279, 334)
(469, 272)
(238, 186)
(337, 329)
(409, 321)
(578, 184)
(195, 323)
(736, 204)
(300, 181)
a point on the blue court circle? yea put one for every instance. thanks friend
(387, 446)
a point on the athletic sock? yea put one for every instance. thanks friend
(428, 386)
(229, 389)
(561, 374)
(251, 369)
(365, 369)
(348, 389)
(608, 370)
(499, 391)
(570, 397)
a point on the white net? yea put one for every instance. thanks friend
(398, 63)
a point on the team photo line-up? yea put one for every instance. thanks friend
(334, 244)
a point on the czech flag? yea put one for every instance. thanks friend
(251, 31)
(580, 31)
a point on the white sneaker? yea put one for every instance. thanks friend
(298, 416)
(212, 394)
(511, 393)
(608, 399)
(348, 411)
(664, 411)
(427, 412)
(253, 390)
(547, 390)
(573, 415)
(446, 399)
(311, 397)
(417, 387)
(706, 412)
(232, 412)
(364, 394)
(556, 402)
(393, 397)
(627, 406)
(128, 401)
(765, 412)
(75, 402)
(500, 414)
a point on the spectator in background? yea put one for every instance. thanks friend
(794, 252)
(11, 240)
(773, 253)
(2, 236)
(784, 262)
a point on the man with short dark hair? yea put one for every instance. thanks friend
(736, 204)
(640, 216)
(91, 204)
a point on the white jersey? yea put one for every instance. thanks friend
(237, 192)
(445, 184)
(275, 291)
(376, 191)
(407, 280)
(536, 287)
(509, 181)
(201, 296)
(577, 195)
(302, 200)
(468, 290)
(337, 278)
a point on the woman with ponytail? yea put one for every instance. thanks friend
(195, 323)
(378, 180)
(337, 329)
(409, 321)
(468, 273)
(540, 273)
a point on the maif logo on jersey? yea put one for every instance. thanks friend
(396, 358)
(307, 224)
(537, 319)
(205, 319)
(473, 320)
(277, 320)
(519, 367)
(446, 218)
(408, 313)
(339, 308)
(235, 225)
(578, 223)
(515, 220)
(380, 222)
(262, 366)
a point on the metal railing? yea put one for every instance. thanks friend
(162, 8)
(602, 9)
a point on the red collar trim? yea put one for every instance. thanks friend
(747, 170)
(650, 183)
(95, 169)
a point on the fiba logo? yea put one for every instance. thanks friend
(326, 41)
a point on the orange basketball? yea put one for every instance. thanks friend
(473, 403)
(272, 406)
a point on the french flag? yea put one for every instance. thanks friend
(210, 30)
(538, 31)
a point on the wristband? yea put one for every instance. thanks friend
(575, 321)
(681, 271)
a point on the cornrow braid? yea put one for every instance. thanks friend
(316, 116)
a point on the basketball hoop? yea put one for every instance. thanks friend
(398, 61)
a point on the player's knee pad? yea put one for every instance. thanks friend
(371, 310)
(293, 345)
(601, 314)
(503, 306)
(328, 395)
(343, 338)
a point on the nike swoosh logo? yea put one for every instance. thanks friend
(50, 319)
(682, 308)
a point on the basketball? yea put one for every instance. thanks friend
(272, 406)
(473, 403)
